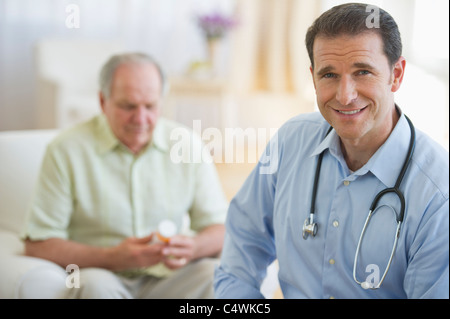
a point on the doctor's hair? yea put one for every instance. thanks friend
(351, 19)
(109, 68)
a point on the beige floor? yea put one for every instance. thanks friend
(232, 177)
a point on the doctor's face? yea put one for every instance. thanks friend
(133, 107)
(355, 87)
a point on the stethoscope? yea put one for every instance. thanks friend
(310, 227)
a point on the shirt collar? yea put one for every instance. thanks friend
(107, 141)
(331, 141)
(106, 138)
(387, 161)
(160, 134)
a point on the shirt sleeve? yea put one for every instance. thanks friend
(249, 242)
(427, 275)
(51, 205)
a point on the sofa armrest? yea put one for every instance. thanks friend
(10, 243)
(13, 270)
(15, 267)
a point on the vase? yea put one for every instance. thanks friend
(213, 49)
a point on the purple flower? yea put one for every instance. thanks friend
(215, 25)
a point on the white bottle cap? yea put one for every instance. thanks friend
(167, 228)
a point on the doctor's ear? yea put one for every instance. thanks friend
(398, 72)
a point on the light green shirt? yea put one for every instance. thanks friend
(93, 190)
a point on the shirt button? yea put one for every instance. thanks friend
(331, 261)
(335, 223)
(346, 183)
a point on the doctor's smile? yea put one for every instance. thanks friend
(350, 112)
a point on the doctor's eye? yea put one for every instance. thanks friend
(363, 72)
(329, 76)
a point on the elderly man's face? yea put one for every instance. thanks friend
(133, 107)
(355, 87)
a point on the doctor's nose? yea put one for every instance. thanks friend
(346, 91)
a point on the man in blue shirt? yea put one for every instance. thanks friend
(356, 68)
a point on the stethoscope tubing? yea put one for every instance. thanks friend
(388, 266)
(399, 217)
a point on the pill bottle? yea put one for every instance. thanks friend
(166, 229)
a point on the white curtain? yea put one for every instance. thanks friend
(269, 52)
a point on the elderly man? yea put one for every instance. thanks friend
(331, 168)
(105, 187)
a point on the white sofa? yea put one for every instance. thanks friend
(21, 153)
(20, 157)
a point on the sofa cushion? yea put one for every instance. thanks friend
(20, 160)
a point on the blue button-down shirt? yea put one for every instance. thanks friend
(266, 217)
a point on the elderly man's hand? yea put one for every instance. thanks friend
(137, 252)
(179, 251)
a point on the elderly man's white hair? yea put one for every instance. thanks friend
(109, 68)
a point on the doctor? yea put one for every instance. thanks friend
(313, 217)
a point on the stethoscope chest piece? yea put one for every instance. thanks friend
(309, 227)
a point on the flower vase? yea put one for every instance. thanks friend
(213, 48)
